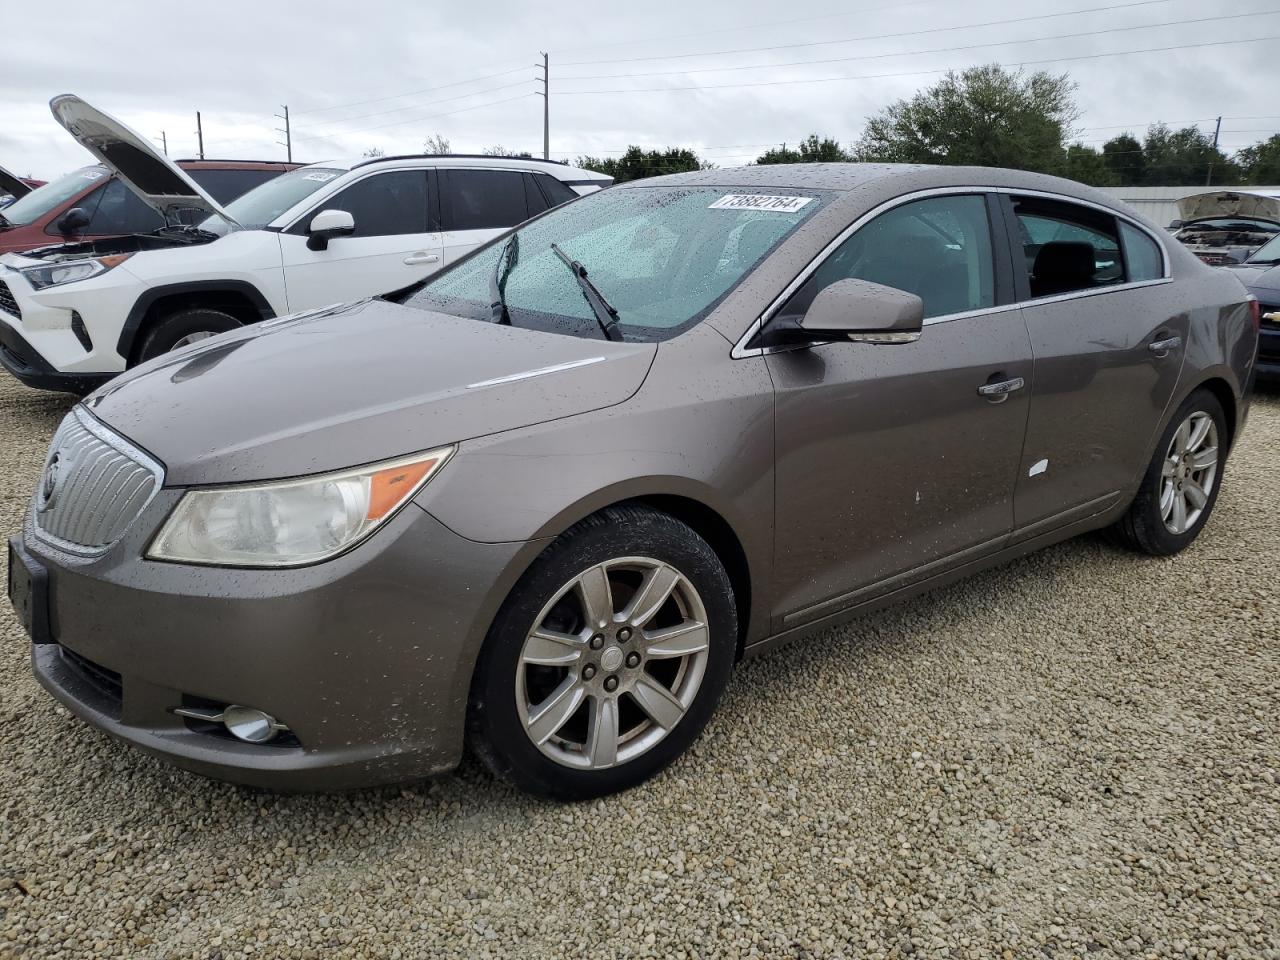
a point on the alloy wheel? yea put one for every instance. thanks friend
(194, 337)
(1189, 472)
(613, 662)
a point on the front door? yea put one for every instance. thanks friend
(889, 459)
(390, 249)
(1105, 367)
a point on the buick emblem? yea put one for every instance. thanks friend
(49, 484)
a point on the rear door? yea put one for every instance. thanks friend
(391, 248)
(891, 464)
(477, 205)
(1108, 353)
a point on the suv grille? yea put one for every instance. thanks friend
(93, 486)
(1266, 308)
(7, 303)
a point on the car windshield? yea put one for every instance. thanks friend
(662, 257)
(42, 200)
(263, 204)
(1269, 252)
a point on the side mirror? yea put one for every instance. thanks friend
(863, 312)
(73, 221)
(328, 224)
(1175, 225)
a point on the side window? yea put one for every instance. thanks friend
(120, 211)
(556, 192)
(938, 248)
(1141, 255)
(534, 201)
(1067, 247)
(384, 205)
(482, 199)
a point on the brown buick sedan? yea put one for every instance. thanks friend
(543, 506)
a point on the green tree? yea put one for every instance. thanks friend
(810, 150)
(1185, 157)
(638, 163)
(1089, 166)
(1260, 163)
(984, 115)
(1125, 160)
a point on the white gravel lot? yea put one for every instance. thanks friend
(1075, 755)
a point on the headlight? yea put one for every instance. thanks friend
(56, 274)
(289, 523)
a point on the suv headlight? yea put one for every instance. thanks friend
(70, 271)
(290, 523)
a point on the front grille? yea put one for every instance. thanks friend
(106, 683)
(7, 303)
(1274, 310)
(93, 486)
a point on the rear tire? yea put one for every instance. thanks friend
(1181, 484)
(183, 327)
(606, 660)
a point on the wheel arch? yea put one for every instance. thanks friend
(240, 298)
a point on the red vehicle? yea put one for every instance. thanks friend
(90, 203)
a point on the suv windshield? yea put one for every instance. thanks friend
(1269, 252)
(257, 208)
(52, 195)
(663, 257)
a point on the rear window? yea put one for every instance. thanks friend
(482, 199)
(556, 192)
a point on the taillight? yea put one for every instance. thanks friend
(1255, 313)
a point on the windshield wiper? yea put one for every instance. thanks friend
(606, 316)
(498, 281)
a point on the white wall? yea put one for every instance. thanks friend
(1160, 203)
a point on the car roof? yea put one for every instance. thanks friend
(218, 164)
(558, 170)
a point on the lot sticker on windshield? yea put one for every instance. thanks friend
(755, 201)
(322, 177)
(92, 174)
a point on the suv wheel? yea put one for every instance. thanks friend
(184, 327)
(1182, 482)
(607, 659)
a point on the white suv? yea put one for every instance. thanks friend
(74, 315)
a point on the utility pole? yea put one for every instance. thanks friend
(200, 134)
(546, 105)
(1217, 132)
(287, 142)
(164, 142)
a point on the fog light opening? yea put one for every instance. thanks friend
(247, 724)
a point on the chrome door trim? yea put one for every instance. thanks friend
(741, 351)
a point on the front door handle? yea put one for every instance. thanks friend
(1162, 347)
(999, 391)
(422, 258)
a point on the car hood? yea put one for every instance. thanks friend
(13, 185)
(156, 179)
(355, 384)
(1229, 203)
(1258, 277)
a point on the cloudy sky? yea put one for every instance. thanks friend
(726, 77)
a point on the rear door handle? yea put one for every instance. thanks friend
(1001, 389)
(422, 258)
(1162, 347)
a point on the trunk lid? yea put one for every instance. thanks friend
(355, 384)
(156, 180)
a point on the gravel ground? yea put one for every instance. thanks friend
(1074, 755)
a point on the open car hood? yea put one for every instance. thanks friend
(11, 185)
(149, 173)
(1229, 203)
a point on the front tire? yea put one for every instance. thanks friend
(184, 327)
(607, 659)
(1181, 484)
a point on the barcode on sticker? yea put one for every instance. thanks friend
(756, 201)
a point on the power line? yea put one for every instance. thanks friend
(882, 36)
(397, 123)
(910, 53)
(416, 106)
(413, 93)
(916, 73)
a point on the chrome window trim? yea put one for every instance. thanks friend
(114, 440)
(741, 351)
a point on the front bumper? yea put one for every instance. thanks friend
(26, 363)
(367, 658)
(1268, 363)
